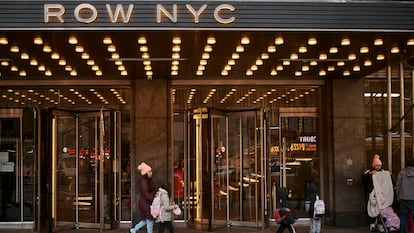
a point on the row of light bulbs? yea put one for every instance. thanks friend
(38, 98)
(142, 41)
(283, 97)
(53, 55)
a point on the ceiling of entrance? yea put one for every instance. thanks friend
(94, 59)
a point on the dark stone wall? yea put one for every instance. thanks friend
(349, 152)
(151, 126)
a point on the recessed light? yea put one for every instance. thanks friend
(378, 41)
(142, 40)
(73, 40)
(176, 40)
(333, 50)
(14, 49)
(245, 40)
(322, 73)
(367, 63)
(211, 40)
(38, 40)
(395, 49)
(380, 57)
(240, 49)
(364, 49)
(345, 41)
(279, 40)
(4, 41)
(351, 56)
(312, 41)
(271, 49)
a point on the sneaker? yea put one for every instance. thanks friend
(371, 227)
(393, 229)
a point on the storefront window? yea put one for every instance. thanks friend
(376, 112)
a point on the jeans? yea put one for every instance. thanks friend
(315, 225)
(282, 228)
(143, 222)
(406, 207)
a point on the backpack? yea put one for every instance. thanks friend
(155, 208)
(284, 216)
(318, 208)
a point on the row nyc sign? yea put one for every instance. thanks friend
(87, 13)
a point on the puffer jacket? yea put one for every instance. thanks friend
(405, 184)
(147, 190)
(166, 207)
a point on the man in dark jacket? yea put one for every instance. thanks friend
(405, 193)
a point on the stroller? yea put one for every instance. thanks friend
(387, 221)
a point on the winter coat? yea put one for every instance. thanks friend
(166, 207)
(405, 184)
(382, 195)
(147, 189)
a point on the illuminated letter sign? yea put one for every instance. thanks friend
(53, 10)
(219, 9)
(87, 13)
(196, 14)
(119, 10)
(89, 7)
(161, 9)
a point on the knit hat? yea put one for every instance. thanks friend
(144, 168)
(376, 161)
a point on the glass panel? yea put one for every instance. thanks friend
(9, 169)
(221, 169)
(125, 166)
(376, 105)
(302, 162)
(88, 172)
(79, 175)
(245, 174)
(196, 162)
(28, 166)
(66, 168)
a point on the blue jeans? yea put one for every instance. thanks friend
(406, 207)
(143, 222)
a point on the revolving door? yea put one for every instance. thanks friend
(225, 159)
(85, 161)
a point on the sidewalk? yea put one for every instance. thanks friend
(181, 229)
(272, 229)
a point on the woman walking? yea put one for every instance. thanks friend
(147, 190)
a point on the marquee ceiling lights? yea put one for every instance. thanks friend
(204, 55)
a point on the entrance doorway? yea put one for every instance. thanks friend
(18, 158)
(225, 159)
(294, 161)
(85, 160)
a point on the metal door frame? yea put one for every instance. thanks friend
(261, 127)
(18, 114)
(114, 163)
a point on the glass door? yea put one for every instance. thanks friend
(225, 164)
(17, 163)
(85, 158)
(294, 161)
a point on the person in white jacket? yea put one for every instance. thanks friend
(379, 189)
(166, 216)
